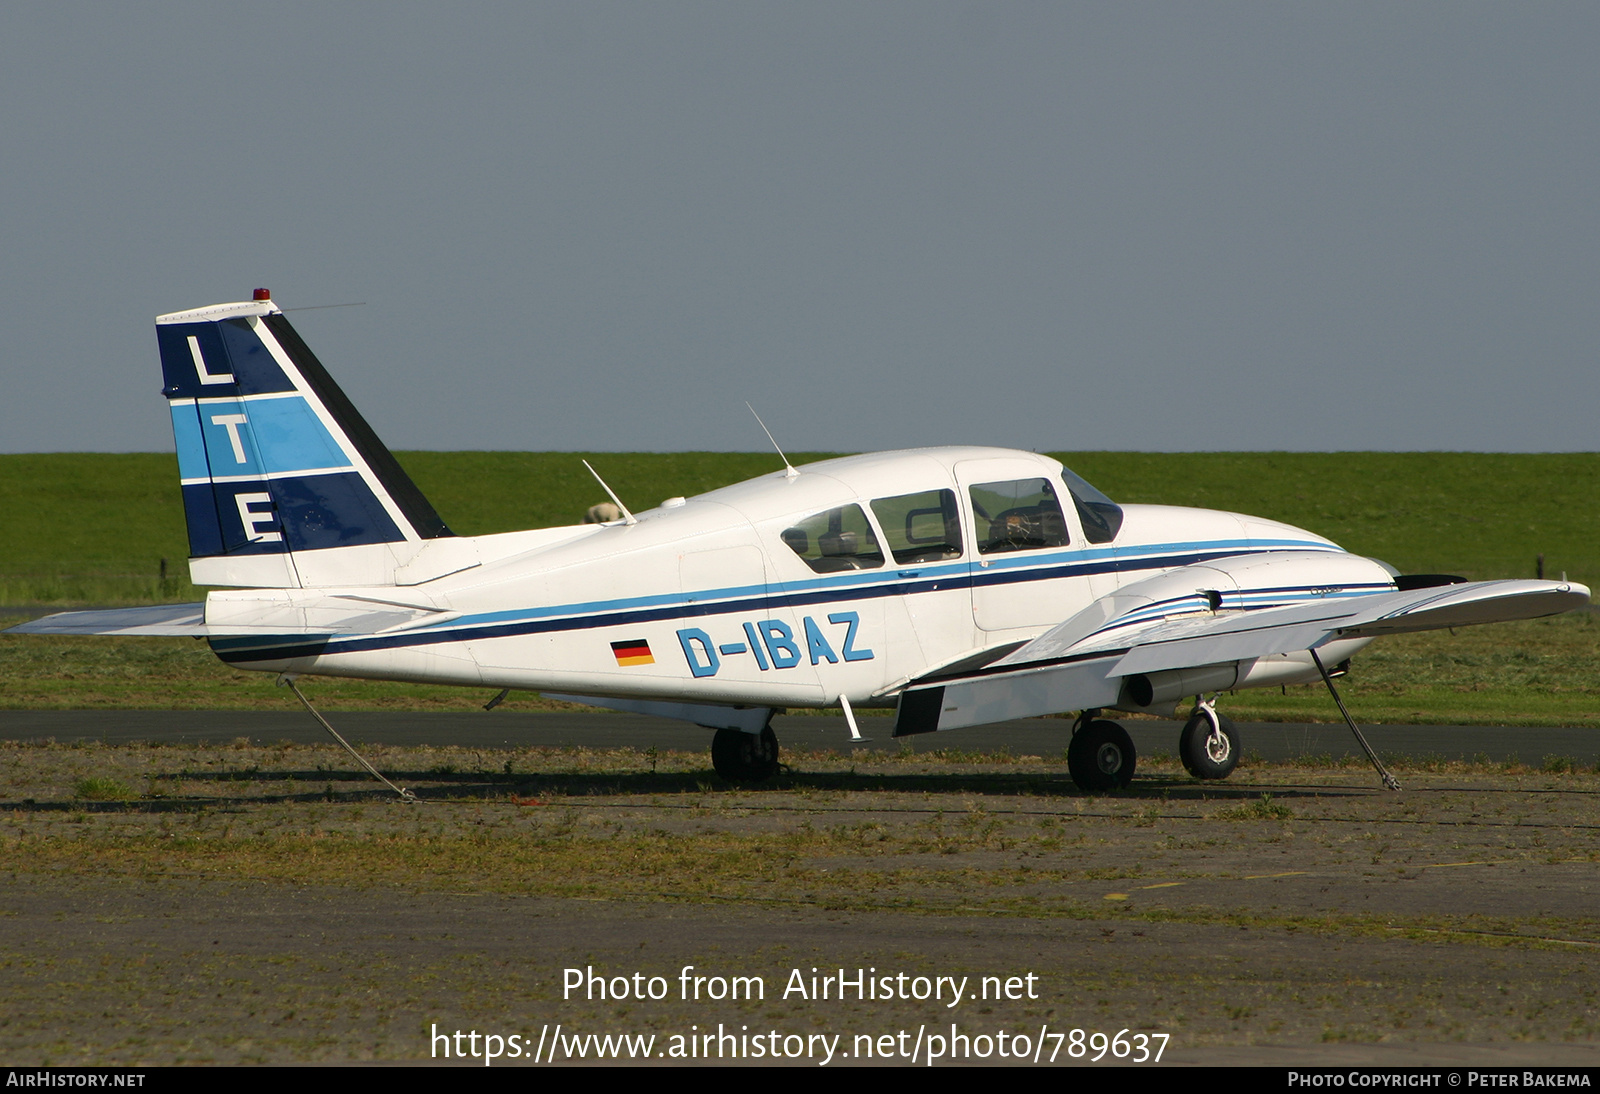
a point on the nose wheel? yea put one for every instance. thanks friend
(742, 757)
(1209, 745)
(1100, 755)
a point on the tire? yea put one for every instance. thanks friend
(1207, 754)
(1101, 757)
(742, 757)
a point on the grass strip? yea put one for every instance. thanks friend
(93, 528)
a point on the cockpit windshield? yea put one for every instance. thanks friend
(1101, 517)
(1020, 515)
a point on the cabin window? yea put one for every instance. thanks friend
(1022, 515)
(921, 527)
(1101, 517)
(839, 539)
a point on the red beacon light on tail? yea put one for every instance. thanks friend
(262, 294)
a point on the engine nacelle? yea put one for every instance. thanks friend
(1159, 692)
(1298, 667)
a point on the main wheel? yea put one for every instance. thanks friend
(1101, 757)
(742, 757)
(1209, 752)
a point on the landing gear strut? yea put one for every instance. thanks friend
(742, 757)
(1101, 754)
(1209, 745)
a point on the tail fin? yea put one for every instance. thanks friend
(278, 467)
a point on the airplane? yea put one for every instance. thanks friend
(961, 586)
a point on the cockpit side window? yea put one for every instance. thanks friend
(920, 527)
(1101, 517)
(839, 539)
(1022, 515)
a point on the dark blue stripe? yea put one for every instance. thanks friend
(233, 650)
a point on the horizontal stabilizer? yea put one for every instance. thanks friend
(161, 619)
(243, 614)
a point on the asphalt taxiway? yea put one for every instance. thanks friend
(1270, 741)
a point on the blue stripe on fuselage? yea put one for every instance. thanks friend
(927, 578)
(749, 598)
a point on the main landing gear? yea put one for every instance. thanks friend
(1209, 745)
(1100, 755)
(742, 757)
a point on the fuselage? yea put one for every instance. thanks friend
(850, 577)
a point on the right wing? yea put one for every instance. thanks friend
(1111, 650)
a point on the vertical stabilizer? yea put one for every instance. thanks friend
(278, 467)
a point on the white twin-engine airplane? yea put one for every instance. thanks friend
(963, 586)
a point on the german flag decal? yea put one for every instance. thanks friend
(636, 652)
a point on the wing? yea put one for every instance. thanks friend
(1129, 649)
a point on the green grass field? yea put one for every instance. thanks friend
(92, 528)
(82, 529)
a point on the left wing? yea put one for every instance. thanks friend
(1107, 654)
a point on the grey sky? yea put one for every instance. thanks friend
(1125, 226)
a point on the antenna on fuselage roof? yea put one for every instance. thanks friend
(627, 517)
(788, 468)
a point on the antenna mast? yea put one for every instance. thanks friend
(788, 468)
(627, 517)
